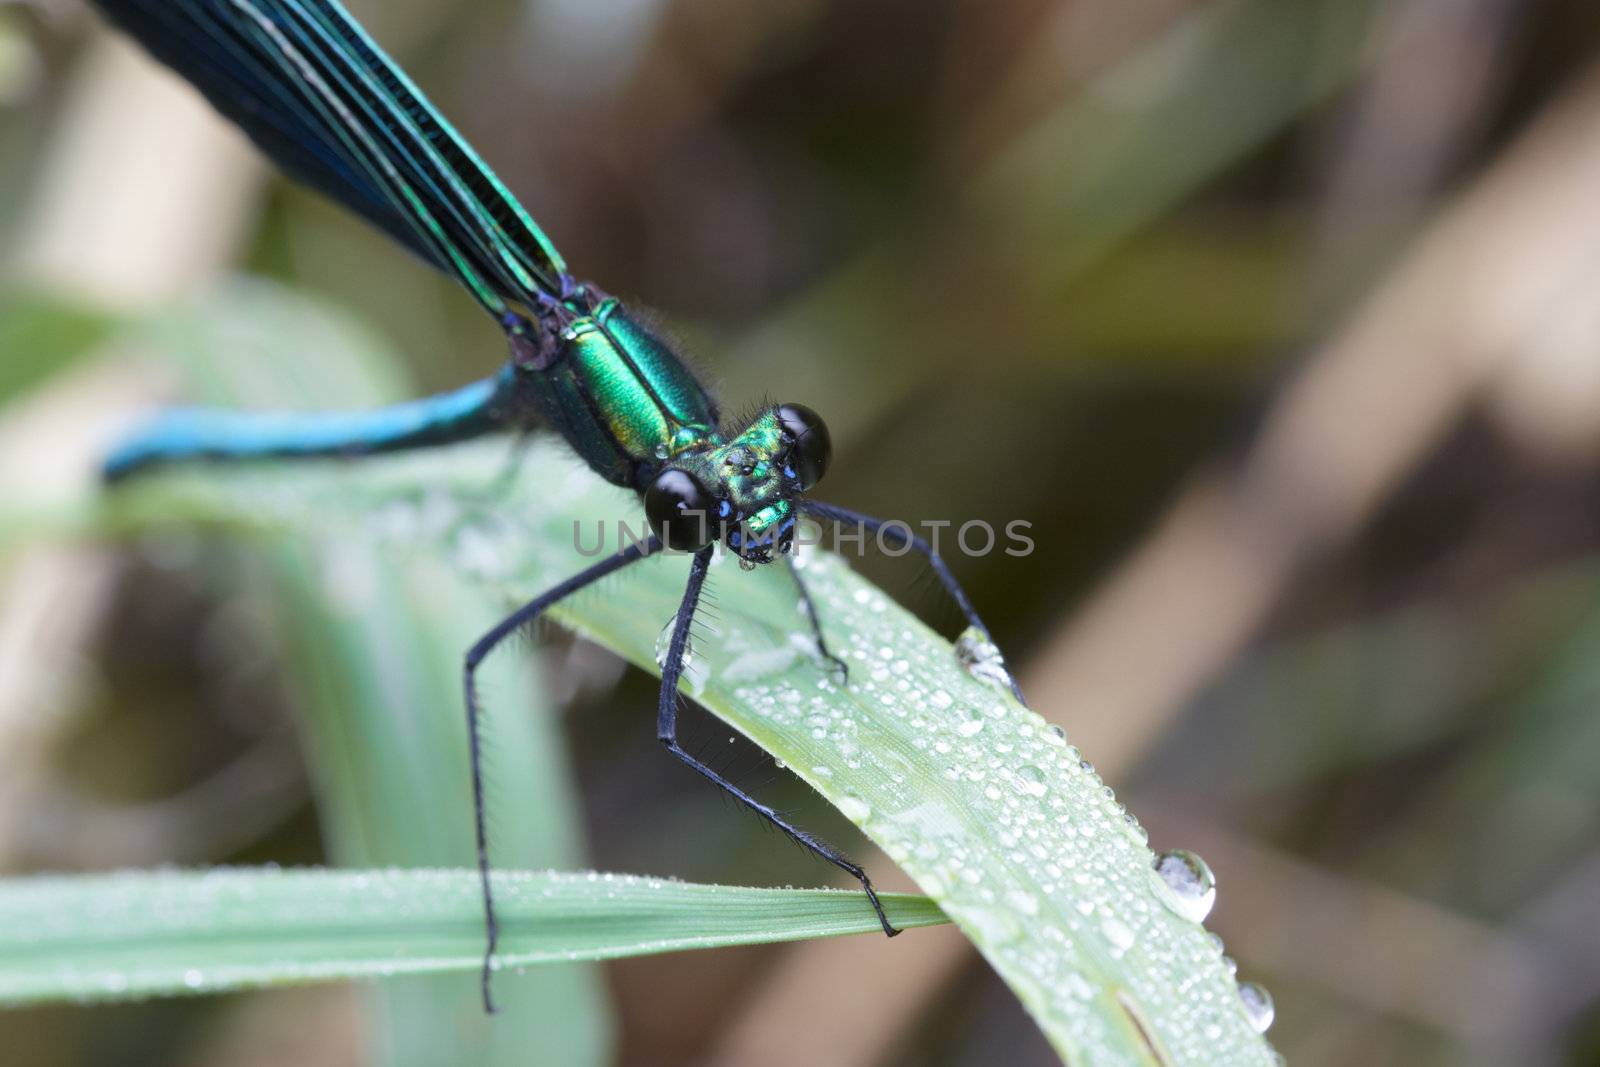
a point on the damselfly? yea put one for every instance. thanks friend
(319, 96)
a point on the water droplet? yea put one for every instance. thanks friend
(1257, 1005)
(994, 926)
(1133, 825)
(1032, 780)
(664, 647)
(1024, 902)
(694, 670)
(981, 658)
(1118, 933)
(855, 809)
(970, 728)
(1056, 734)
(194, 979)
(1193, 888)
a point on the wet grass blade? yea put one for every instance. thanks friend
(144, 934)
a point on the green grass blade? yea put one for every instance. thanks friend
(143, 934)
(992, 812)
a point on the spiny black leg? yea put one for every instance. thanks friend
(667, 732)
(816, 623)
(486, 644)
(901, 534)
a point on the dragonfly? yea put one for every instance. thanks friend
(320, 97)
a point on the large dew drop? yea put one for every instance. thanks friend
(1194, 889)
(664, 647)
(1257, 1005)
(695, 671)
(981, 658)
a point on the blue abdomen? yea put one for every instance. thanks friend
(184, 434)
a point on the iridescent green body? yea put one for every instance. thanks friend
(629, 407)
(614, 390)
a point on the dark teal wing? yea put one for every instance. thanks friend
(319, 96)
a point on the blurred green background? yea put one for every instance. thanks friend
(1277, 320)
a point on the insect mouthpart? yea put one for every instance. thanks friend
(758, 537)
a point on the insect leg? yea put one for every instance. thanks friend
(475, 656)
(667, 732)
(816, 623)
(902, 535)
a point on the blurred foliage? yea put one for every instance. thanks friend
(40, 333)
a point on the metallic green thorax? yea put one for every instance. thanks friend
(616, 392)
(630, 407)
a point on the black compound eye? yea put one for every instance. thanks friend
(813, 448)
(680, 511)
